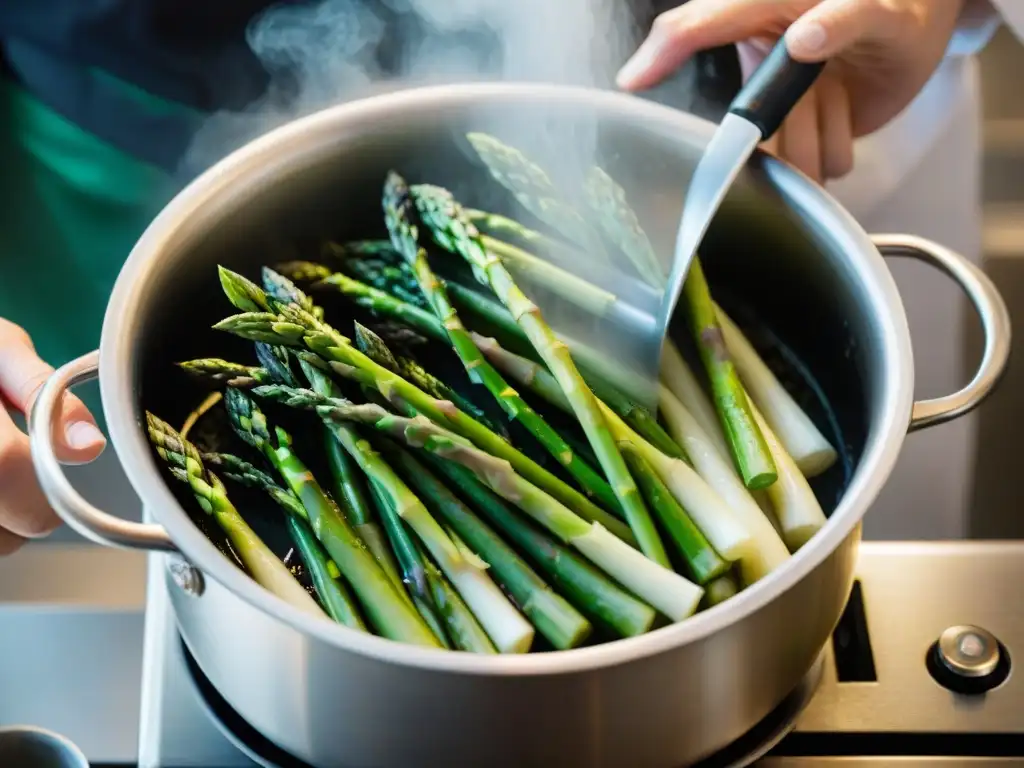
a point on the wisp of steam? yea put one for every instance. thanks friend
(320, 54)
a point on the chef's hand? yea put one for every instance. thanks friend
(880, 52)
(24, 511)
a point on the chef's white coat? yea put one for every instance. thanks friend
(921, 175)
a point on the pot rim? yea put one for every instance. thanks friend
(274, 150)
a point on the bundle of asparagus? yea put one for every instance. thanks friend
(586, 518)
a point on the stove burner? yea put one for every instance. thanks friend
(757, 742)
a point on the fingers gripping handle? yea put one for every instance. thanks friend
(774, 89)
(92, 523)
(991, 309)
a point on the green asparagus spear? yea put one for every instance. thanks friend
(398, 215)
(303, 271)
(347, 485)
(219, 371)
(584, 585)
(704, 563)
(554, 618)
(664, 589)
(505, 626)
(747, 444)
(410, 559)
(494, 316)
(349, 362)
(242, 292)
(187, 466)
(348, 495)
(374, 347)
(461, 624)
(388, 613)
(622, 226)
(283, 291)
(452, 231)
(324, 572)
(535, 191)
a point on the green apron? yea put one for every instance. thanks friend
(72, 208)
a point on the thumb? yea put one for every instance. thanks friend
(832, 26)
(22, 375)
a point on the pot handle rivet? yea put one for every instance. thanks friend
(188, 578)
(92, 523)
(991, 309)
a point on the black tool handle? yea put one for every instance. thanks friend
(774, 89)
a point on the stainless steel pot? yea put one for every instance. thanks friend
(338, 698)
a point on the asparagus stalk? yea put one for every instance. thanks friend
(186, 466)
(497, 226)
(298, 328)
(452, 231)
(538, 379)
(796, 507)
(535, 191)
(374, 347)
(721, 589)
(347, 485)
(767, 550)
(225, 373)
(398, 214)
(349, 362)
(705, 506)
(585, 586)
(797, 434)
(348, 493)
(622, 226)
(749, 451)
(496, 316)
(553, 617)
(677, 375)
(303, 271)
(587, 296)
(664, 589)
(681, 382)
(324, 572)
(704, 563)
(506, 627)
(412, 563)
(462, 626)
(389, 614)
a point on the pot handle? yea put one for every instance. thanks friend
(92, 523)
(991, 309)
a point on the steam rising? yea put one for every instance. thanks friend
(324, 53)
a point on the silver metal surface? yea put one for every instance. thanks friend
(992, 311)
(188, 579)
(26, 746)
(174, 729)
(92, 523)
(71, 620)
(911, 593)
(691, 687)
(726, 155)
(969, 651)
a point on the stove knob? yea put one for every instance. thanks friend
(968, 660)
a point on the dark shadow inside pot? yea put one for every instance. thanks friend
(782, 277)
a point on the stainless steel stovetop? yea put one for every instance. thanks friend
(887, 690)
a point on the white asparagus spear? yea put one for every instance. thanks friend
(794, 429)
(766, 551)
